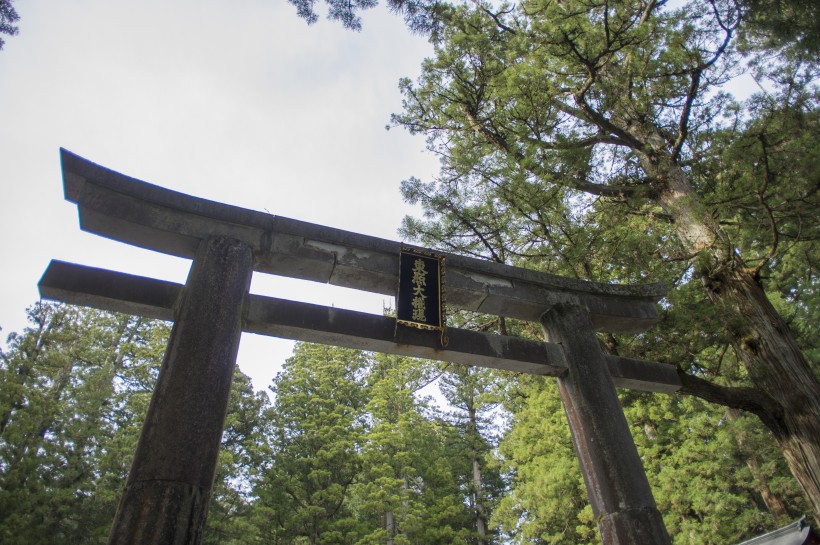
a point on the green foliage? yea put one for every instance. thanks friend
(545, 116)
(793, 25)
(547, 500)
(474, 396)
(74, 389)
(317, 424)
(359, 457)
(408, 491)
(699, 461)
(244, 455)
(67, 429)
(420, 15)
(762, 181)
(8, 16)
(701, 464)
(346, 445)
(350, 453)
(595, 140)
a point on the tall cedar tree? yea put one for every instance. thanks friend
(408, 492)
(474, 396)
(74, 390)
(317, 427)
(67, 429)
(715, 475)
(621, 103)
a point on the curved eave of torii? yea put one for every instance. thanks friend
(132, 211)
(135, 212)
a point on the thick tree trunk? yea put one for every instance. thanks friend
(777, 368)
(478, 487)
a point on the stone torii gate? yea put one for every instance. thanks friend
(166, 496)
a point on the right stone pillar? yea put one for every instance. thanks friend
(615, 479)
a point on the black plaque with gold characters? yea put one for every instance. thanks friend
(420, 301)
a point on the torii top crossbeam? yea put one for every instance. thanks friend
(166, 497)
(152, 217)
(142, 214)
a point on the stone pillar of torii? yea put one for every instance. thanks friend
(168, 489)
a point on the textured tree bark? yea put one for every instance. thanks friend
(389, 526)
(169, 485)
(613, 473)
(480, 508)
(787, 389)
(478, 488)
(777, 367)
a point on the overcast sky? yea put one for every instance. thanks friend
(239, 102)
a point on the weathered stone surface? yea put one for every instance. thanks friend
(109, 290)
(173, 469)
(122, 292)
(168, 488)
(150, 216)
(613, 473)
(161, 513)
(648, 376)
(351, 329)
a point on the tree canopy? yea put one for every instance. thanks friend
(74, 390)
(599, 140)
(353, 450)
(587, 138)
(8, 18)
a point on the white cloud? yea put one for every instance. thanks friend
(239, 102)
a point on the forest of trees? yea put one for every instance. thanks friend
(351, 451)
(594, 139)
(606, 141)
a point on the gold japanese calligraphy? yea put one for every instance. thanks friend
(419, 285)
(420, 297)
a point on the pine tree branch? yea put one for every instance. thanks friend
(577, 182)
(694, 86)
(592, 115)
(775, 235)
(495, 17)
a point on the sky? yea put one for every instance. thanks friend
(239, 102)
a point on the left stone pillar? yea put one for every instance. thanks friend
(169, 485)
